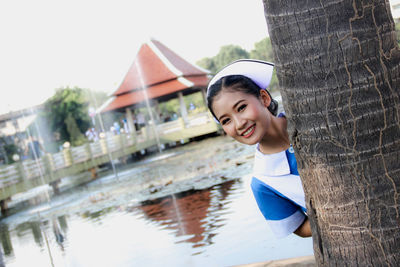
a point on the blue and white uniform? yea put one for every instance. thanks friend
(278, 191)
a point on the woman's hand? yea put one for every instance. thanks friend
(304, 229)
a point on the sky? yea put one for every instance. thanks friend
(49, 44)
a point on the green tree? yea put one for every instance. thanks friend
(207, 63)
(226, 54)
(7, 150)
(338, 67)
(66, 114)
(263, 50)
(229, 53)
(75, 135)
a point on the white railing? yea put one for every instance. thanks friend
(33, 168)
(10, 175)
(29, 169)
(79, 154)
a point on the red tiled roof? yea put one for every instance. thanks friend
(157, 64)
(161, 71)
(152, 69)
(154, 91)
(185, 67)
(199, 81)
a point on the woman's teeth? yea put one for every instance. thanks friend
(248, 131)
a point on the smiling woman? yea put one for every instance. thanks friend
(238, 99)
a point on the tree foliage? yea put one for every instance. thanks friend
(172, 106)
(207, 63)
(7, 150)
(228, 53)
(263, 50)
(65, 116)
(75, 134)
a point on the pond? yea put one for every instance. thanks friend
(155, 213)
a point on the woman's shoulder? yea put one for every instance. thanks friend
(270, 164)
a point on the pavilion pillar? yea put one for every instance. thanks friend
(204, 95)
(157, 111)
(131, 125)
(4, 206)
(183, 108)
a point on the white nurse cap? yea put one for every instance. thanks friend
(260, 72)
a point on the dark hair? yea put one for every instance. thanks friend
(237, 83)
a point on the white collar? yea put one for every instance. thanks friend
(270, 164)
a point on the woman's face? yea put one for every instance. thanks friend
(243, 116)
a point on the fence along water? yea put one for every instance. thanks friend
(25, 175)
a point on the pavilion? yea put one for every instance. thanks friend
(164, 75)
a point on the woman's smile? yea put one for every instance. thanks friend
(249, 131)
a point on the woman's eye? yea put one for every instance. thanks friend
(224, 121)
(242, 107)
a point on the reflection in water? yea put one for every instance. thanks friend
(194, 214)
(218, 226)
(6, 240)
(58, 233)
(34, 229)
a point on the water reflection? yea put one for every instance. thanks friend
(217, 226)
(6, 240)
(192, 217)
(32, 230)
(59, 230)
(192, 214)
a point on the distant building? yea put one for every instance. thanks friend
(15, 122)
(13, 126)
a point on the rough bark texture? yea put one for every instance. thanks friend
(338, 66)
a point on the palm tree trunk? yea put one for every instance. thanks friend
(338, 65)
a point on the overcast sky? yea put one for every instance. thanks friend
(48, 44)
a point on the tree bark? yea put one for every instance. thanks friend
(338, 66)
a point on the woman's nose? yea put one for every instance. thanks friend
(239, 122)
